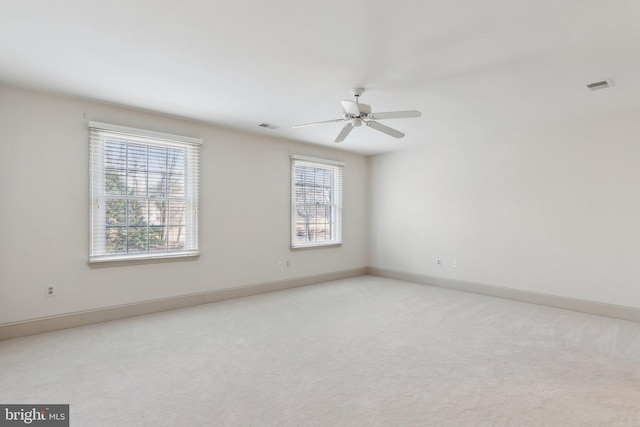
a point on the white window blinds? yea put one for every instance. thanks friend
(316, 202)
(144, 194)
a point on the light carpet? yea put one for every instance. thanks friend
(366, 351)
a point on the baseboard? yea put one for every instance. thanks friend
(590, 307)
(54, 323)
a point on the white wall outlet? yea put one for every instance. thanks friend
(284, 264)
(454, 263)
(50, 291)
(439, 262)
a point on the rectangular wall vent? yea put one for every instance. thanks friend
(268, 126)
(604, 84)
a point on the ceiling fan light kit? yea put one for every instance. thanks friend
(355, 114)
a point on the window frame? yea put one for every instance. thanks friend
(99, 135)
(337, 208)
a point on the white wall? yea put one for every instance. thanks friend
(244, 211)
(553, 209)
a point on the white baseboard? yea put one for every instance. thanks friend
(72, 320)
(590, 307)
(54, 323)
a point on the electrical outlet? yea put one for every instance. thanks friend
(287, 264)
(439, 262)
(51, 291)
(454, 263)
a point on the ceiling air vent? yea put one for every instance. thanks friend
(604, 84)
(268, 126)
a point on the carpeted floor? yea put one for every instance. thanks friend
(365, 351)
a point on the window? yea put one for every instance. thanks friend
(144, 194)
(316, 202)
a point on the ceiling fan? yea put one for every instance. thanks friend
(355, 114)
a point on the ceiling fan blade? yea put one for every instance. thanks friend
(395, 115)
(350, 107)
(356, 108)
(318, 123)
(385, 129)
(344, 132)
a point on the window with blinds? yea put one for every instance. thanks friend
(144, 194)
(316, 202)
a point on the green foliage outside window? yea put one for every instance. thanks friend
(129, 227)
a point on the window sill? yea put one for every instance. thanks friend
(145, 259)
(306, 248)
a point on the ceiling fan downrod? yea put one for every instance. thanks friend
(357, 91)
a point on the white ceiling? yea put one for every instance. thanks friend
(470, 66)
